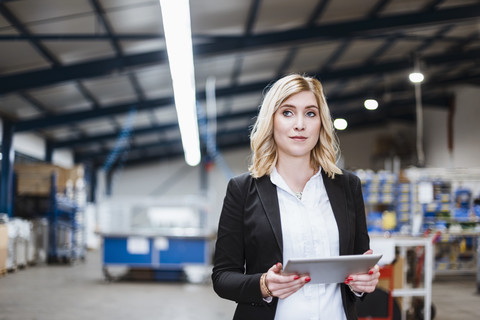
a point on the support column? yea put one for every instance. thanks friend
(8, 158)
(48, 151)
(204, 176)
(91, 173)
(108, 182)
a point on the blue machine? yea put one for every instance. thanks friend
(166, 256)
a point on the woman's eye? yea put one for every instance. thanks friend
(287, 113)
(311, 114)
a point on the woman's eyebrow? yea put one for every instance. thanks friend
(295, 107)
(287, 106)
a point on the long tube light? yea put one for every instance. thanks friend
(178, 37)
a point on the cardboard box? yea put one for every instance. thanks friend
(36, 179)
(3, 247)
(397, 276)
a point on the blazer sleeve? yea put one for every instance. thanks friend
(229, 278)
(362, 240)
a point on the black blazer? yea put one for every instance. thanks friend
(249, 239)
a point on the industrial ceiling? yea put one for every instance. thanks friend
(93, 75)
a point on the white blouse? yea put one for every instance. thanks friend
(309, 230)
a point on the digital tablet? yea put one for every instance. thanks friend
(332, 269)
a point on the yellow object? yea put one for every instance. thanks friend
(389, 220)
(463, 246)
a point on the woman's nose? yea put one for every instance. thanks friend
(299, 124)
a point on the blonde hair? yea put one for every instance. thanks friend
(264, 149)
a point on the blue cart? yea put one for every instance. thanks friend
(164, 256)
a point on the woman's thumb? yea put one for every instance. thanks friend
(276, 267)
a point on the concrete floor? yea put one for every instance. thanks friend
(62, 292)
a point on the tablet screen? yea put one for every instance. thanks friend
(332, 269)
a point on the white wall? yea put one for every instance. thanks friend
(466, 139)
(436, 138)
(174, 179)
(466, 132)
(359, 148)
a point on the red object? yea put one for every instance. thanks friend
(386, 272)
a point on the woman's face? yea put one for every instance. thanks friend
(296, 125)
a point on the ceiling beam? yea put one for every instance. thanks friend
(69, 143)
(400, 109)
(79, 156)
(66, 118)
(223, 44)
(41, 49)
(350, 73)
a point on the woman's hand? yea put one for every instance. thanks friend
(364, 282)
(281, 285)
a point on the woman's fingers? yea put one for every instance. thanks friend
(282, 285)
(286, 288)
(364, 282)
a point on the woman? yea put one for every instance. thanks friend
(295, 202)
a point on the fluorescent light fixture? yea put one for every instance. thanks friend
(340, 124)
(416, 77)
(178, 37)
(371, 104)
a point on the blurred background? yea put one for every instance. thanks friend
(98, 187)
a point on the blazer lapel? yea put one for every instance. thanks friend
(267, 193)
(338, 201)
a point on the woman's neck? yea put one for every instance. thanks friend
(295, 172)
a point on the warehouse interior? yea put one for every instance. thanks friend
(97, 193)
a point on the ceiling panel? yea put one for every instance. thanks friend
(64, 132)
(357, 52)
(19, 57)
(111, 90)
(155, 81)
(71, 24)
(311, 57)
(132, 47)
(61, 98)
(219, 17)
(404, 6)
(144, 18)
(97, 126)
(166, 115)
(69, 52)
(133, 120)
(37, 11)
(341, 11)
(283, 14)
(18, 108)
(220, 67)
(246, 102)
(356, 49)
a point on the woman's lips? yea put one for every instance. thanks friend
(298, 138)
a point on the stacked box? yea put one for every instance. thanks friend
(36, 179)
(3, 248)
(379, 191)
(437, 214)
(378, 188)
(404, 201)
(387, 183)
(40, 232)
